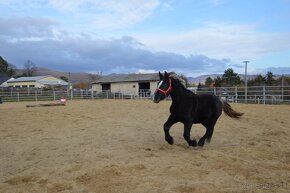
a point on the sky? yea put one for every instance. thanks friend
(192, 37)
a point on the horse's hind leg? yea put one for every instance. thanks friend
(209, 125)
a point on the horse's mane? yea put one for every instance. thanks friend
(179, 78)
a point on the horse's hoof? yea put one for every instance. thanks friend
(208, 140)
(201, 143)
(193, 143)
(170, 140)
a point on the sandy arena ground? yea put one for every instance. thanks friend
(117, 146)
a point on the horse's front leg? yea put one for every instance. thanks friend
(186, 134)
(167, 125)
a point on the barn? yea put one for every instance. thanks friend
(37, 82)
(131, 84)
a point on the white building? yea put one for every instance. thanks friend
(36, 81)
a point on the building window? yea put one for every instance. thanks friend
(31, 85)
(144, 89)
(106, 87)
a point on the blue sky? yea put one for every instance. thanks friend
(193, 37)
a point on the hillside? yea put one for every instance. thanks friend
(77, 77)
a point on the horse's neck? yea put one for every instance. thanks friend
(178, 93)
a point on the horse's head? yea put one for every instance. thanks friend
(164, 87)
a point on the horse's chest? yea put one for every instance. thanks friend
(180, 113)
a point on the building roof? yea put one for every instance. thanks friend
(128, 78)
(38, 79)
(3, 77)
(4, 84)
(28, 79)
(54, 83)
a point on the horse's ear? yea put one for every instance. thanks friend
(166, 74)
(160, 76)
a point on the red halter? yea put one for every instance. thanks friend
(166, 92)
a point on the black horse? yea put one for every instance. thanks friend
(189, 108)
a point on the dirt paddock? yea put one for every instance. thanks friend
(117, 146)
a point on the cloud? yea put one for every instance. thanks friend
(216, 2)
(200, 51)
(219, 40)
(109, 14)
(144, 71)
(278, 70)
(26, 27)
(56, 48)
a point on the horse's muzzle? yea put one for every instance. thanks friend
(156, 101)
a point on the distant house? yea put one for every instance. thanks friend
(37, 82)
(133, 84)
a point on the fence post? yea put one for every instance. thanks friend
(35, 95)
(282, 92)
(236, 94)
(71, 94)
(53, 95)
(246, 94)
(264, 94)
(214, 90)
(18, 97)
(92, 94)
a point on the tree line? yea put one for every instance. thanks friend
(230, 78)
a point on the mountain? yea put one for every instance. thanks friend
(201, 79)
(78, 77)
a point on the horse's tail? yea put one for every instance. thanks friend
(231, 112)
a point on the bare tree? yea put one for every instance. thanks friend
(93, 77)
(11, 70)
(29, 68)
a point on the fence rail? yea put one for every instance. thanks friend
(254, 94)
(18, 95)
(257, 94)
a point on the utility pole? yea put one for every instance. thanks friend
(246, 80)
(69, 83)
